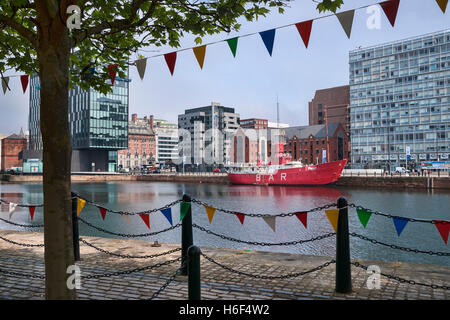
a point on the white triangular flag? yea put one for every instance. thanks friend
(270, 221)
(12, 207)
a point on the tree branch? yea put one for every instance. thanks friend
(23, 31)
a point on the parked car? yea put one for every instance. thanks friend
(216, 170)
(401, 170)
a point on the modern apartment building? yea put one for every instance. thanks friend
(98, 125)
(400, 101)
(206, 134)
(166, 135)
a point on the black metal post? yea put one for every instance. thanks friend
(194, 273)
(343, 270)
(186, 235)
(75, 234)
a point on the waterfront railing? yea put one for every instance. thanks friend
(190, 256)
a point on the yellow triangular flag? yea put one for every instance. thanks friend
(210, 211)
(80, 205)
(333, 216)
(200, 54)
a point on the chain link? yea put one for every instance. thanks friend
(169, 205)
(22, 225)
(21, 205)
(129, 235)
(23, 275)
(127, 256)
(352, 205)
(259, 215)
(393, 246)
(257, 276)
(22, 244)
(170, 280)
(290, 243)
(403, 280)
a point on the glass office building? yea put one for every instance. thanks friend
(98, 125)
(399, 102)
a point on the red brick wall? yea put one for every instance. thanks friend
(10, 152)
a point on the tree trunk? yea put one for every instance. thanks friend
(53, 54)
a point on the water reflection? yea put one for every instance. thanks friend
(140, 196)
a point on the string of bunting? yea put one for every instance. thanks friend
(13, 206)
(304, 28)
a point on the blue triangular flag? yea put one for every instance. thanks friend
(399, 224)
(168, 214)
(268, 37)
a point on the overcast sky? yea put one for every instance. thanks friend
(251, 81)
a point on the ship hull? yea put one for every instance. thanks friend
(321, 174)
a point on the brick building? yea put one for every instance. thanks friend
(11, 147)
(307, 143)
(334, 103)
(141, 144)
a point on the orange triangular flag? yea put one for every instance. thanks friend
(200, 54)
(31, 208)
(126, 217)
(80, 205)
(442, 4)
(333, 216)
(443, 228)
(146, 218)
(240, 216)
(210, 211)
(102, 212)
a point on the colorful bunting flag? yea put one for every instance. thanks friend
(146, 218)
(363, 216)
(333, 217)
(346, 20)
(168, 214)
(31, 209)
(5, 82)
(102, 212)
(302, 216)
(199, 53)
(112, 71)
(171, 58)
(443, 228)
(268, 38)
(442, 4)
(80, 205)
(24, 81)
(232, 43)
(141, 65)
(399, 224)
(270, 221)
(240, 216)
(304, 28)
(12, 208)
(184, 207)
(390, 8)
(210, 212)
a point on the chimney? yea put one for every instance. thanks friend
(150, 121)
(134, 117)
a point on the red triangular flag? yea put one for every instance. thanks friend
(304, 28)
(171, 58)
(31, 208)
(303, 217)
(390, 8)
(240, 216)
(112, 70)
(146, 219)
(102, 212)
(443, 228)
(24, 80)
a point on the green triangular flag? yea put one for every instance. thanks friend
(232, 43)
(184, 207)
(363, 216)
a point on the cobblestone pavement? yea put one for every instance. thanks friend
(217, 283)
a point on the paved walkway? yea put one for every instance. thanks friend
(217, 282)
